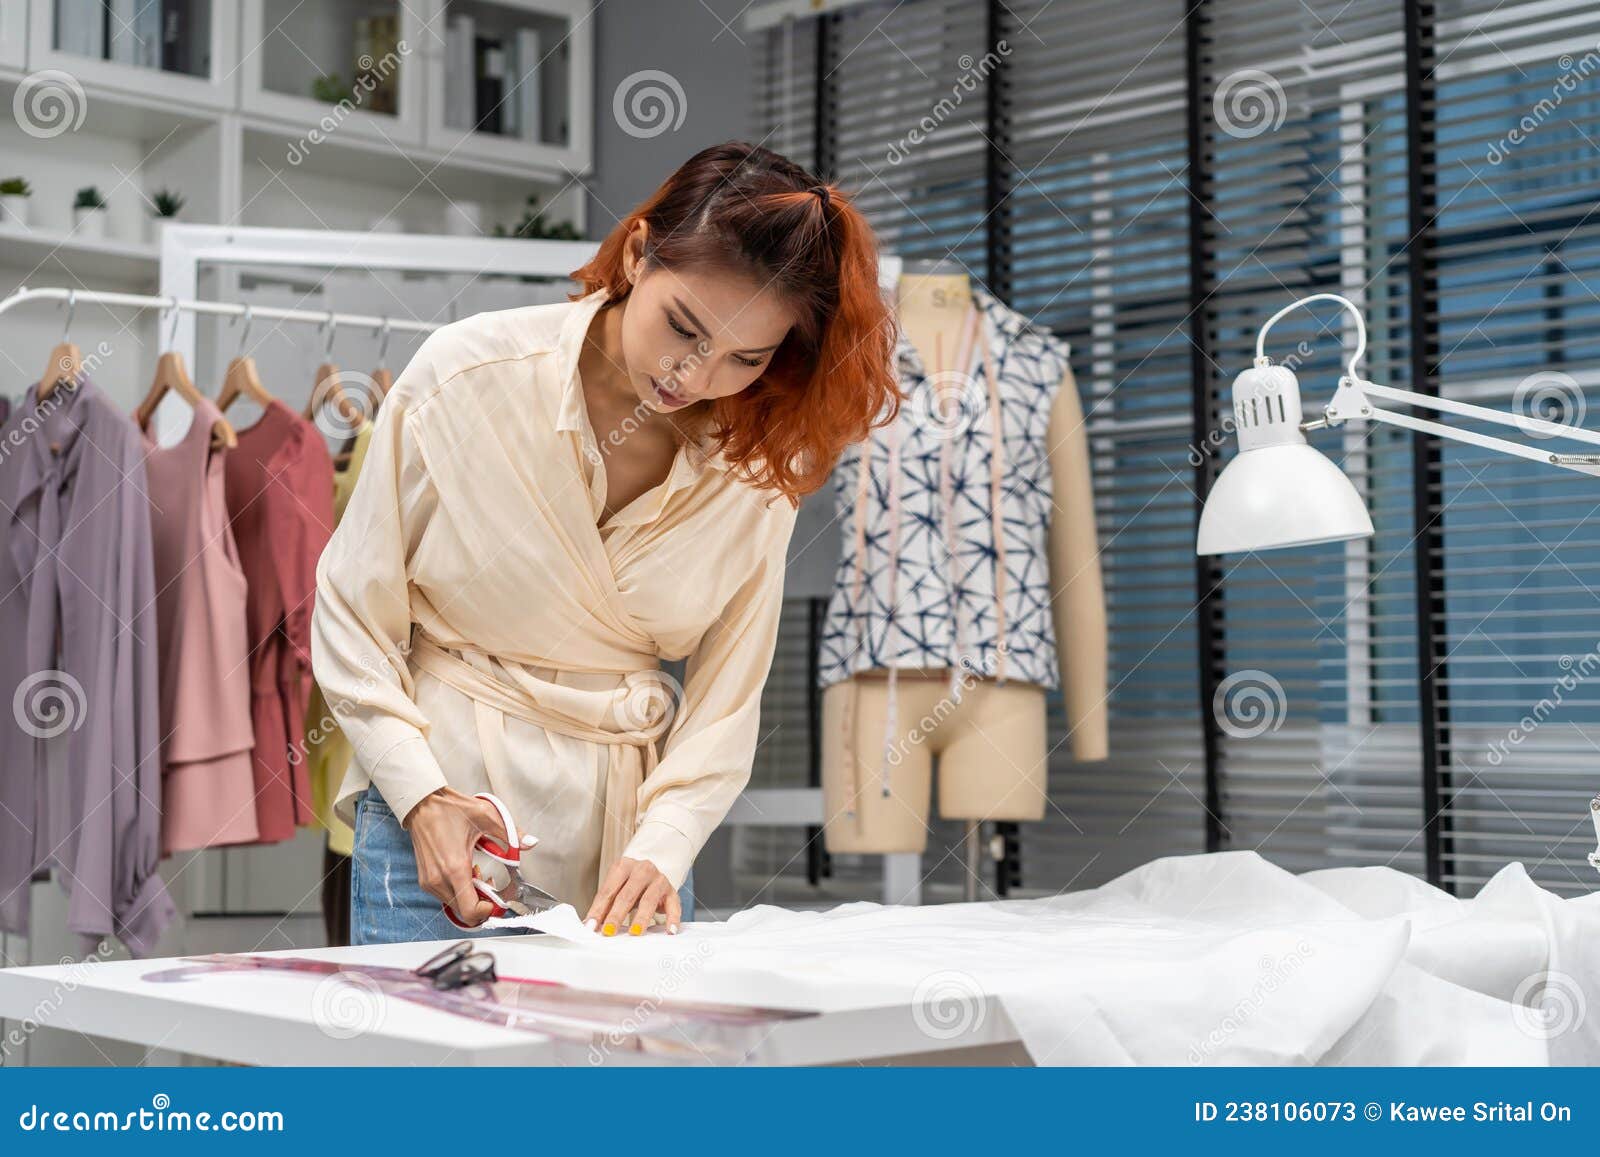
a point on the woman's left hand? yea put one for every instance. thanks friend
(635, 888)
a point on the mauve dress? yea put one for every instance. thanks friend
(280, 501)
(208, 787)
(80, 730)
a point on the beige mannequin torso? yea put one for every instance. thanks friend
(992, 751)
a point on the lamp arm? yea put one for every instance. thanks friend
(1353, 399)
(1594, 811)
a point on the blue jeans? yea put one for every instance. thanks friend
(388, 905)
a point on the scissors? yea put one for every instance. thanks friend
(497, 871)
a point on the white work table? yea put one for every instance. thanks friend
(1217, 959)
(285, 1018)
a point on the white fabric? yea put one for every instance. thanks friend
(1207, 959)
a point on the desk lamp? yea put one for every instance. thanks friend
(1279, 491)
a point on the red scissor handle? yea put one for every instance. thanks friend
(488, 894)
(508, 852)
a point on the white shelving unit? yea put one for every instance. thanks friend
(247, 142)
(54, 256)
(13, 35)
(67, 35)
(380, 79)
(537, 125)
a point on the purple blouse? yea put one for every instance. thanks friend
(80, 747)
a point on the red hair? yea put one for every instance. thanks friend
(748, 210)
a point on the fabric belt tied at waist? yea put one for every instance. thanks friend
(631, 750)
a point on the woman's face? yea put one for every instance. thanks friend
(694, 336)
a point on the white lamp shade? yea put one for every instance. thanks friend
(1280, 496)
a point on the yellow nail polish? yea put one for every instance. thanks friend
(636, 930)
(609, 930)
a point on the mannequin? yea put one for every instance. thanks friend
(985, 723)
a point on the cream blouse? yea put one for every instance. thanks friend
(475, 627)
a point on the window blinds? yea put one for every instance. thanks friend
(1515, 253)
(1151, 180)
(1095, 234)
(1302, 189)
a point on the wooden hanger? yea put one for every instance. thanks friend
(66, 359)
(327, 387)
(382, 379)
(382, 383)
(241, 377)
(172, 374)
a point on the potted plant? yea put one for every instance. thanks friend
(533, 225)
(89, 214)
(167, 202)
(14, 194)
(329, 89)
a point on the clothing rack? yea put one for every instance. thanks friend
(187, 247)
(240, 884)
(216, 308)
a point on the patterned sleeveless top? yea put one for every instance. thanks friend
(945, 561)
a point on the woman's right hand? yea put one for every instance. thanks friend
(443, 828)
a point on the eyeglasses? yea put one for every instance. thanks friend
(457, 967)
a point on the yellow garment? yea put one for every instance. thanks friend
(475, 627)
(327, 749)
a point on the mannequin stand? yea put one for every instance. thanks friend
(974, 846)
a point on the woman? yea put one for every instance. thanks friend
(557, 497)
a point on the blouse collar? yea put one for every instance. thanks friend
(57, 443)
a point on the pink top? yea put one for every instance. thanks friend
(207, 787)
